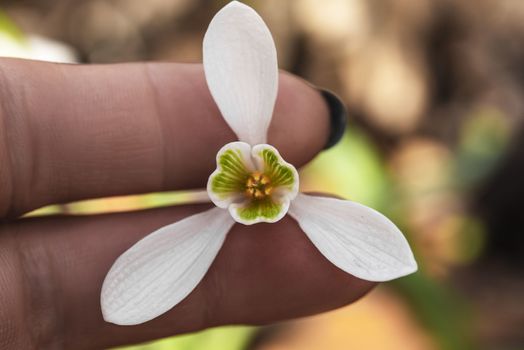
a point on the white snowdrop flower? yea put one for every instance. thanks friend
(252, 184)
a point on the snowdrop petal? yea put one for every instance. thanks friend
(253, 212)
(283, 175)
(226, 184)
(240, 64)
(355, 238)
(163, 268)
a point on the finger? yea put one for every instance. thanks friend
(264, 273)
(70, 132)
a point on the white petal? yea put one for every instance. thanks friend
(284, 173)
(223, 198)
(163, 268)
(355, 238)
(240, 63)
(280, 205)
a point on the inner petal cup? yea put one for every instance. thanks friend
(256, 185)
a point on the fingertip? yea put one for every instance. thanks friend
(301, 122)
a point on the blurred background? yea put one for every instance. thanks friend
(435, 90)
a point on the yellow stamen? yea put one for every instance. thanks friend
(258, 186)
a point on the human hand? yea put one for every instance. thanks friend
(72, 132)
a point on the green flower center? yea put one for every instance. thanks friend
(258, 186)
(254, 183)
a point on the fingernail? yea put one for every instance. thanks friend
(338, 117)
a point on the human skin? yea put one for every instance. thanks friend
(71, 132)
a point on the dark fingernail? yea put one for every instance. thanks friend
(338, 116)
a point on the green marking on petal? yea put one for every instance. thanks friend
(280, 174)
(256, 209)
(232, 176)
